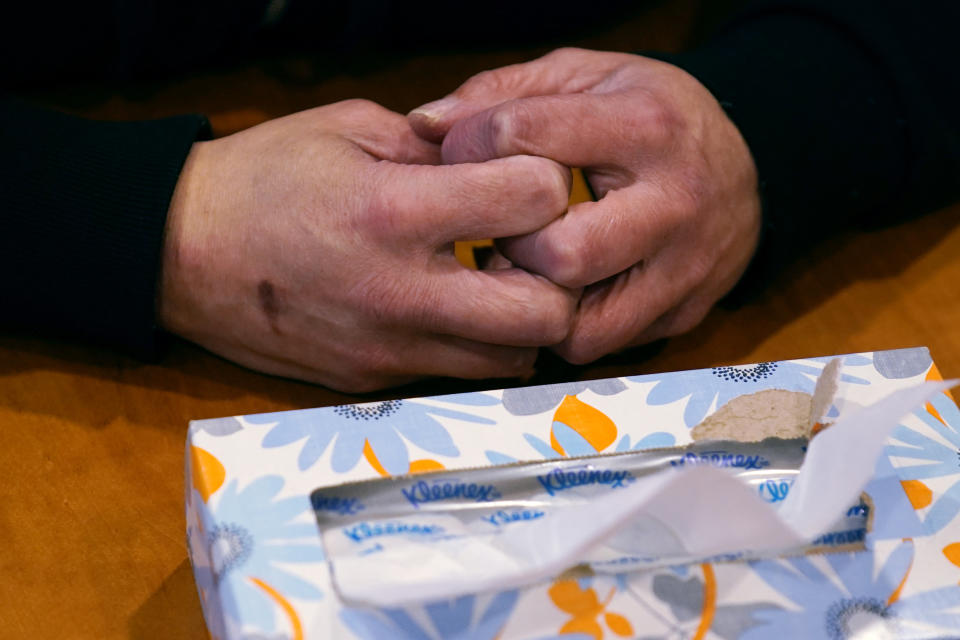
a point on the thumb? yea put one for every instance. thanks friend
(561, 71)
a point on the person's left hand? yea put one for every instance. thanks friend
(679, 212)
(320, 246)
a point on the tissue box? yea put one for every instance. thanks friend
(260, 570)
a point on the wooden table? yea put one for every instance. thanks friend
(91, 442)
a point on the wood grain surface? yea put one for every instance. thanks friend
(91, 442)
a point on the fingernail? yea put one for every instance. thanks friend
(436, 109)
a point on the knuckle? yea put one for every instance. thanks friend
(554, 329)
(359, 105)
(699, 268)
(390, 209)
(481, 82)
(579, 351)
(565, 53)
(552, 324)
(564, 261)
(359, 384)
(355, 380)
(523, 360)
(546, 183)
(683, 200)
(683, 325)
(686, 321)
(359, 113)
(552, 187)
(500, 127)
(491, 82)
(509, 126)
(378, 218)
(369, 384)
(659, 122)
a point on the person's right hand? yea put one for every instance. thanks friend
(319, 246)
(678, 216)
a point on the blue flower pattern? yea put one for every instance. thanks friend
(859, 607)
(251, 531)
(937, 459)
(526, 401)
(453, 619)
(654, 440)
(384, 425)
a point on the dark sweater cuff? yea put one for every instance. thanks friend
(821, 120)
(85, 205)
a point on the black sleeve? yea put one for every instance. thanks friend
(83, 206)
(850, 110)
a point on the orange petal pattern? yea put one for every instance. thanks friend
(918, 493)
(297, 626)
(903, 581)
(618, 624)
(591, 423)
(424, 465)
(952, 552)
(372, 459)
(709, 602)
(207, 472)
(585, 625)
(570, 598)
(585, 608)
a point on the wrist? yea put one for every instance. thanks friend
(179, 257)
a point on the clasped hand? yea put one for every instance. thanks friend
(319, 245)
